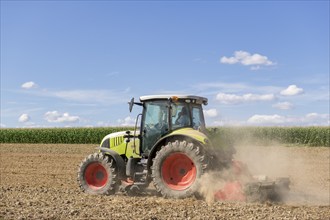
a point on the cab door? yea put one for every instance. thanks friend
(154, 123)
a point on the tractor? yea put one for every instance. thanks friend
(169, 146)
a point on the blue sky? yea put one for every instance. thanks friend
(78, 63)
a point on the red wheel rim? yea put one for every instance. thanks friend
(178, 171)
(96, 175)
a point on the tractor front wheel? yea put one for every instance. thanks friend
(177, 169)
(97, 174)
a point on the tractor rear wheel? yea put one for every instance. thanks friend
(177, 169)
(97, 174)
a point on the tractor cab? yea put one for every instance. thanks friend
(163, 114)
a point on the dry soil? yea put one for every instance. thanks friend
(38, 181)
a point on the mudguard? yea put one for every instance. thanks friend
(120, 163)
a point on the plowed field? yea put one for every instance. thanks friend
(38, 181)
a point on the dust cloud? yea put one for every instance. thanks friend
(210, 184)
(307, 167)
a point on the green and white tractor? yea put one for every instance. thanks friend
(169, 146)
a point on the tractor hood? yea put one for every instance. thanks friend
(114, 139)
(118, 142)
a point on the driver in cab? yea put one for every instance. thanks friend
(183, 118)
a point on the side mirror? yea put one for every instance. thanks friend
(130, 104)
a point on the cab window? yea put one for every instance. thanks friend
(155, 123)
(181, 117)
(198, 119)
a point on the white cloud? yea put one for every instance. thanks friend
(2, 125)
(211, 113)
(237, 99)
(92, 96)
(311, 119)
(24, 118)
(103, 124)
(227, 122)
(100, 96)
(82, 95)
(229, 60)
(245, 58)
(128, 121)
(55, 116)
(226, 87)
(266, 119)
(199, 60)
(283, 105)
(292, 90)
(29, 85)
(312, 115)
(316, 118)
(215, 87)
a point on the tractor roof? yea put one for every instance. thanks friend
(198, 99)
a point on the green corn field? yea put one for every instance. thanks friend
(305, 136)
(56, 135)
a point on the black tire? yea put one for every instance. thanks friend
(97, 175)
(177, 169)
